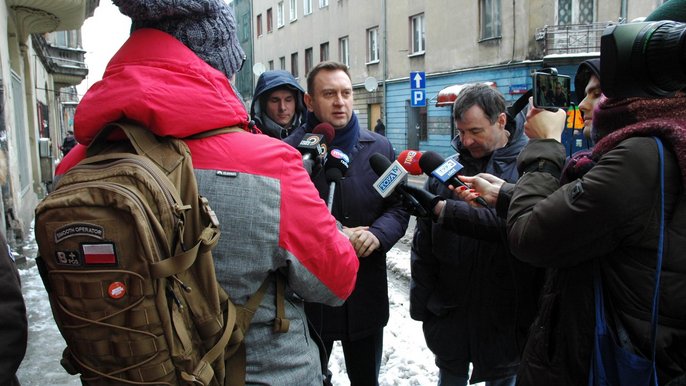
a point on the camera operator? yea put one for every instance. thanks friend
(615, 210)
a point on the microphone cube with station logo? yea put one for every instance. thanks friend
(313, 144)
(447, 170)
(390, 179)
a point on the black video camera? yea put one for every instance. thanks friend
(643, 59)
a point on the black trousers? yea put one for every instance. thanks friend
(362, 358)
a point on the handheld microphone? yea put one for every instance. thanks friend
(314, 145)
(444, 171)
(335, 167)
(409, 159)
(392, 178)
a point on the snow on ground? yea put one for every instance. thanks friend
(406, 359)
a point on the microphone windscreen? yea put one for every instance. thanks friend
(410, 161)
(430, 161)
(325, 129)
(379, 163)
(333, 174)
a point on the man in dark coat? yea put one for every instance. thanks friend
(13, 322)
(68, 143)
(13, 334)
(373, 224)
(380, 128)
(278, 107)
(475, 299)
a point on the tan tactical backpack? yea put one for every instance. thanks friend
(125, 244)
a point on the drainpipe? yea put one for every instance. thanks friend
(385, 65)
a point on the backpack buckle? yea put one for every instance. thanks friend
(207, 209)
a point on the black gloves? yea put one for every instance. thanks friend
(419, 202)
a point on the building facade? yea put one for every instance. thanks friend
(41, 61)
(451, 42)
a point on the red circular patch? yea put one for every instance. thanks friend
(117, 290)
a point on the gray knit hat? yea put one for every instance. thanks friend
(207, 27)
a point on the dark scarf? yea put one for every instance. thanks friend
(615, 120)
(345, 139)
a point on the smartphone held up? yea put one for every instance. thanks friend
(551, 91)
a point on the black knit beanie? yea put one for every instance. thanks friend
(583, 75)
(207, 27)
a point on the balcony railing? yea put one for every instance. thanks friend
(67, 65)
(571, 38)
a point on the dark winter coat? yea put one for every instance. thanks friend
(13, 333)
(67, 144)
(270, 81)
(380, 128)
(475, 299)
(356, 203)
(610, 214)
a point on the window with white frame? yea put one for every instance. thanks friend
(270, 21)
(490, 19)
(575, 12)
(293, 9)
(344, 51)
(309, 60)
(294, 64)
(259, 25)
(280, 14)
(417, 28)
(307, 7)
(323, 3)
(324, 52)
(373, 45)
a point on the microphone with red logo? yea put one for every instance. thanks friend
(314, 146)
(335, 167)
(392, 178)
(409, 159)
(433, 164)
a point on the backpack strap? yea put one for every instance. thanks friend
(143, 141)
(204, 372)
(184, 260)
(221, 130)
(236, 363)
(281, 324)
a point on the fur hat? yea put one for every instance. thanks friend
(674, 10)
(207, 27)
(583, 75)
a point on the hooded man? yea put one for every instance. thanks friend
(277, 107)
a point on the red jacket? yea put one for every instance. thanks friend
(271, 216)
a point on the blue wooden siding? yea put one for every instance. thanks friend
(438, 118)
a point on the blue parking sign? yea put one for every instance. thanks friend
(418, 98)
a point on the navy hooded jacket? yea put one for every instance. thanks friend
(270, 81)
